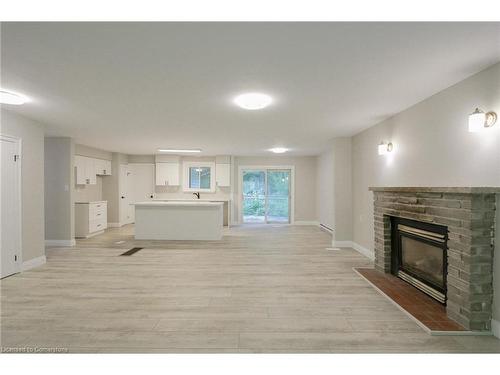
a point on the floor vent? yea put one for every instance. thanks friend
(131, 251)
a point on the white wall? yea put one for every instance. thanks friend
(432, 148)
(59, 180)
(342, 191)
(32, 180)
(92, 152)
(324, 188)
(89, 193)
(305, 181)
(334, 190)
(141, 159)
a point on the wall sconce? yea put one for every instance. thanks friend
(478, 120)
(384, 148)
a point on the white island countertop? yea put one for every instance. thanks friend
(191, 200)
(178, 203)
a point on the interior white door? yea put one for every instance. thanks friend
(125, 207)
(141, 184)
(10, 206)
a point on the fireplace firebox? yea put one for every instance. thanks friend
(419, 256)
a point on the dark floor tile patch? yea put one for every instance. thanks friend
(422, 307)
(131, 251)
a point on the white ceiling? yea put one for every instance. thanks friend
(136, 87)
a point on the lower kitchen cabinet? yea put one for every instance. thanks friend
(91, 218)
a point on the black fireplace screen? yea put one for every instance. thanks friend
(419, 255)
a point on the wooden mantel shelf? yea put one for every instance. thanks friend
(426, 189)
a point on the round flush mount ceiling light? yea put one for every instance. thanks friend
(278, 150)
(10, 97)
(253, 101)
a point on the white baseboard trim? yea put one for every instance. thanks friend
(305, 222)
(495, 328)
(90, 235)
(342, 244)
(60, 243)
(360, 249)
(32, 263)
(363, 250)
(114, 225)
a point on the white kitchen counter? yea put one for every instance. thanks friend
(178, 203)
(191, 200)
(178, 220)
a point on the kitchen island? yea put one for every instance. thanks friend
(178, 220)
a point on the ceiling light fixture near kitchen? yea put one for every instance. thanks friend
(179, 150)
(278, 150)
(10, 97)
(253, 101)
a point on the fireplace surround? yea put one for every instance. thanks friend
(468, 216)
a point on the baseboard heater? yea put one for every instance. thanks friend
(327, 228)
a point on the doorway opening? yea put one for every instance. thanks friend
(266, 195)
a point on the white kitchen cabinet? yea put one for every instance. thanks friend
(91, 218)
(81, 177)
(90, 174)
(223, 174)
(107, 168)
(87, 169)
(167, 174)
(102, 167)
(98, 166)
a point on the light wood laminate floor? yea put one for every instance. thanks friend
(259, 289)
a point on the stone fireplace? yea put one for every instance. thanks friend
(419, 229)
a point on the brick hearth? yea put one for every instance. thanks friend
(469, 214)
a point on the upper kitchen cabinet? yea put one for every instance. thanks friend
(81, 177)
(87, 169)
(223, 170)
(223, 174)
(102, 167)
(167, 174)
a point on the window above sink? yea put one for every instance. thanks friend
(199, 176)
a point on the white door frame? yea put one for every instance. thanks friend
(19, 142)
(241, 168)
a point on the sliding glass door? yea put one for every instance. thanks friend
(278, 196)
(266, 195)
(254, 196)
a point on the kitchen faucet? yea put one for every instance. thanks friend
(197, 194)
